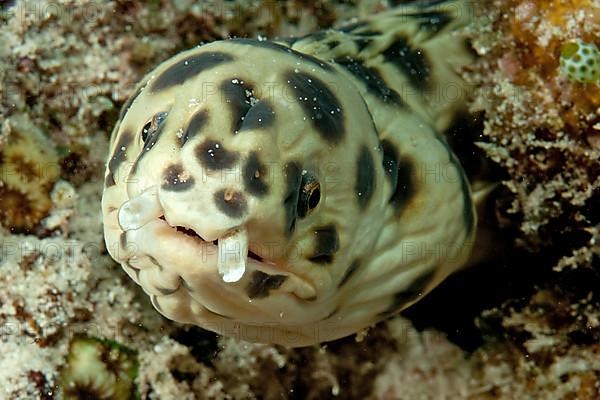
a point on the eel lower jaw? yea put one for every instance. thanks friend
(236, 248)
(233, 247)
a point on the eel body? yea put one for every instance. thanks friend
(296, 191)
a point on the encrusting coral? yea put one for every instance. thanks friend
(29, 165)
(99, 369)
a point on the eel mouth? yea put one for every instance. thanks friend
(189, 232)
(234, 259)
(233, 252)
(232, 247)
(303, 290)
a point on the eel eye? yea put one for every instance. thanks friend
(153, 125)
(310, 194)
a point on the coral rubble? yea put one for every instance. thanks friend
(542, 128)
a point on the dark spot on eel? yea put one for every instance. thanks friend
(214, 157)
(119, 155)
(365, 177)
(188, 68)
(239, 97)
(261, 115)
(371, 78)
(390, 162)
(412, 62)
(320, 105)
(194, 127)
(261, 284)
(326, 244)
(255, 176)
(175, 179)
(405, 186)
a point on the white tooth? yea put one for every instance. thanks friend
(140, 210)
(233, 253)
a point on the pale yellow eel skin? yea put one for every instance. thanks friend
(296, 191)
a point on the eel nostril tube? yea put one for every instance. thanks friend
(140, 210)
(232, 256)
